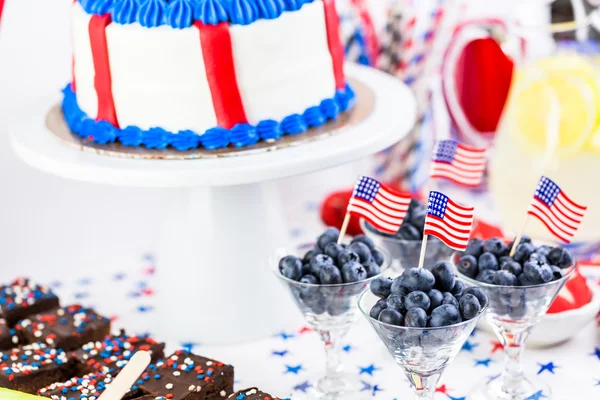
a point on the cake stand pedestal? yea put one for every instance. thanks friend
(225, 220)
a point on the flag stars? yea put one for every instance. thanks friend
(547, 367)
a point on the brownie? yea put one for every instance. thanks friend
(186, 376)
(252, 394)
(88, 387)
(66, 328)
(8, 337)
(30, 368)
(22, 298)
(112, 353)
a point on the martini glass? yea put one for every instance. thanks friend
(330, 310)
(423, 353)
(513, 312)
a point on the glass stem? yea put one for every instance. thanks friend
(332, 382)
(514, 345)
(424, 386)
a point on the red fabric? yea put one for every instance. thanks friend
(369, 27)
(333, 212)
(220, 72)
(1, 8)
(579, 294)
(102, 80)
(332, 21)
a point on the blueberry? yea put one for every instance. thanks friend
(317, 302)
(377, 257)
(378, 308)
(364, 239)
(333, 250)
(539, 258)
(513, 267)
(338, 306)
(415, 317)
(381, 286)
(457, 289)
(556, 273)
(397, 287)
(306, 269)
(310, 254)
(417, 299)
(444, 315)
(467, 265)
(469, 306)
(362, 250)
(546, 273)
(329, 274)
(504, 259)
(417, 217)
(523, 251)
(392, 317)
(474, 247)
(409, 232)
(533, 273)
(505, 278)
(543, 250)
(291, 267)
(331, 235)
(523, 281)
(417, 279)
(435, 298)
(353, 272)
(414, 206)
(560, 257)
(449, 299)
(346, 256)
(524, 239)
(319, 261)
(310, 279)
(443, 272)
(486, 276)
(477, 292)
(487, 261)
(495, 246)
(396, 302)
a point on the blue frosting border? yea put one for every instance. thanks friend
(180, 14)
(241, 135)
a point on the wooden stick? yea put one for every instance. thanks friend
(423, 249)
(127, 377)
(518, 238)
(344, 228)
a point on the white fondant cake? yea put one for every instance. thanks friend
(212, 72)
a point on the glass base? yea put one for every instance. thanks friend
(528, 388)
(344, 386)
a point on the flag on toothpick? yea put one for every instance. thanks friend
(458, 163)
(553, 208)
(382, 207)
(448, 221)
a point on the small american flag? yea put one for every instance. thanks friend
(560, 214)
(448, 221)
(458, 163)
(382, 207)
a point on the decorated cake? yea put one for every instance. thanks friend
(204, 73)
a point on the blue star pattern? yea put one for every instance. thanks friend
(82, 295)
(597, 382)
(485, 362)
(84, 281)
(347, 348)
(368, 370)
(457, 398)
(280, 353)
(189, 346)
(547, 191)
(493, 378)
(366, 188)
(445, 151)
(371, 388)
(537, 396)
(119, 276)
(468, 346)
(293, 370)
(286, 336)
(474, 332)
(437, 204)
(302, 387)
(145, 309)
(596, 352)
(547, 367)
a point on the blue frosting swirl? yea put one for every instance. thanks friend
(180, 14)
(240, 135)
(151, 13)
(210, 12)
(243, 12)
(99, 7)
(294, 5)
(125, 12)
(270, 9)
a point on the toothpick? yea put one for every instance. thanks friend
(344, 228)
(423, 250)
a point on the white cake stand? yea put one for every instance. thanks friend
(226, 220)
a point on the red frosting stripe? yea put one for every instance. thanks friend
(220, 73)
(73, 84)
(369, 27)
(102, 80)
(1, 8)
(332, 21)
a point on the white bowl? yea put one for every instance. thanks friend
(560, 327)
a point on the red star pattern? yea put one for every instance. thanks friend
(442, 389)
(305, 329)
(496, 346)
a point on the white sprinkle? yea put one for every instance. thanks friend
(60, 312)
(37, 333)
(176, 373)
(222, 393)
(209, 363)
(169, 386)
(174, 357)
(15, 339)
(192, 388)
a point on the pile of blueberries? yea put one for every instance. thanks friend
(489, 262)
(413, 224)
(329, 263)
(426, 298)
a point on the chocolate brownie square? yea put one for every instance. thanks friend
(253, 394)
(88, 387)
(8, 337)
(30, 368)
(23, 298)
(65, 328)
(112, 353)
(186, 376)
